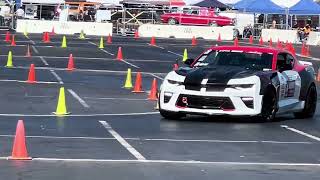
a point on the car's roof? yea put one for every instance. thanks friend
(249, 48)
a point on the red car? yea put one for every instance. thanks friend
(196, 16)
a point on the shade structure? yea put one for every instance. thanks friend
(305, 7)
(211, 3)
(259, 6)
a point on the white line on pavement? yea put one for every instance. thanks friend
(156, 76)
(113, 98)
(38, 82)
(83, 115)
(175, 53)
(130, 64)
(35, 49)
(107, 52)
(301, 132)
(76, 96)
(44, 61)
(156, 46)
(122, 141)
(56, 76)
(68, 137)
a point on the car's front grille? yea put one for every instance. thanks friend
(204, 102)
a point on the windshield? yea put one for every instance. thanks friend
(249, 60)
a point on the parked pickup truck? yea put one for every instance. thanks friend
(193, 15)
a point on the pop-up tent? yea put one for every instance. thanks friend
(259, 6)
(305, 7)
(211, 3)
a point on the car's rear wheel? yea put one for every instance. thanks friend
(310, 104)
(172, 21)
(213, 24)
(269, 106)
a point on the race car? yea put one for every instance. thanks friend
(240, 81)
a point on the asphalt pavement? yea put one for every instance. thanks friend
(113, 133)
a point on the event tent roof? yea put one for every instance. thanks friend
(259, 6)
(211, 3)
(305, 7)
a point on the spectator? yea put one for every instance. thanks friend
(80, 16)
(20, 13)
(273, 26)
(304, 32)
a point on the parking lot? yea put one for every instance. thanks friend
(113, 133)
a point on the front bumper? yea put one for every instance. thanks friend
(230, 101)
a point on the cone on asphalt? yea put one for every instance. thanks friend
(136, 34)
(64, 42)
(82, 35)
(236, 42)
(44, 37)
(101, 44)
(28, 53)
(154, 90)
(128, 83)
(251, 39)
(47, 39)
(153, 41)
(261, 41)
(32, 75)
(25, 32)
(119, 54)
(19, 149)
(7, 38)
(308, 51)
(70, 63)
(185, 55)
(194, 41)
(61, 106)
(270, 43)
(219, 37)
(109, 40)
(318, 75)
(52, 33)
(9, 61)
(175, 66)
(138, 84)
(303, 49)
(13, 41)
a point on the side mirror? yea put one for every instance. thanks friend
(188, 62)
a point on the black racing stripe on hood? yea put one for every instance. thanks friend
(215, 74)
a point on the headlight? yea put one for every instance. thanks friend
(175, 82)
(241, 86)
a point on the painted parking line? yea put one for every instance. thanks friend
(44, 61)
(83, 115)
(175, 53)
(38, 82)
(77, 97)
(56, 76)
(35, 49)
(301, 132)
(122, 141)
(115, 98)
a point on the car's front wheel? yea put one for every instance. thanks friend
(269, 106)
(310, 104)
(172, 21)
(213, 24)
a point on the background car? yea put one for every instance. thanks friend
(240, 81)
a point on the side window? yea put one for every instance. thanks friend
(284, 62)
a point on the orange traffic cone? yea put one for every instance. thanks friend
(119, 54)
(303, 49)
(194, 41)
(219, 38)
(28, 54)
(270, 43)
(7, 38)
(153, 41)
(136, 34)
(44, 37)
(154, 91)
(236, 42)
(70, 63)
(32, 75)
(47, 38)
(138, 84)
(175, 66)
(279, 44)
(261, 41)
(13, 42)
(52, 32)
(109, 40)
(251, 39)
(318, 75)
(308, 51)
(19, 150)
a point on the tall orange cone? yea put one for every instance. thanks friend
(194, 41)
(236, 42)
(119, 54)
(44, 37)
(261, 41)
(175, 66)
(109, 40)
(138, 84)
(70, 63)
(28, 54)
(154, 91)
(308, 51)
(251, 39)
(153, 41)
(32, 75)
(270, 43)
(19, 149)
(318, 75)
(47, 39)
(13, 41)
(136, 34)
(303, 49)
(219, 37)
(7, 38)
